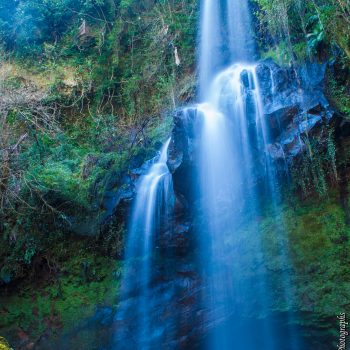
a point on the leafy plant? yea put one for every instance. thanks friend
(317, 34)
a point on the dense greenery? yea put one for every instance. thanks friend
(301, 29)
(74, 281)
(86, 88)
(295, 31)
(316, 232)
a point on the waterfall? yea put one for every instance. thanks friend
(210, 44)
(225, 37)
(240, 33)
(232, 135)
(234, 139)
(235, 175)
(151, 212)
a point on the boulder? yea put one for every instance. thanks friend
(294, 105)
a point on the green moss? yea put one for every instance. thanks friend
(318, 253)
(85, 281)
(304, 244)
(77, 298)
(281, 54)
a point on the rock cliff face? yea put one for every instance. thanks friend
(295, 107)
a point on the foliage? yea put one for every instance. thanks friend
(317, 34)
(321, 24)
(80, 280)
(318, 233)
(304, 242)
(122, 53)
(86, 90)
(337, 90)
(26, 25)
(317, 168)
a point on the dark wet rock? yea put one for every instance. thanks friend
(182, 152)
(178, 241)
(305, 124)
(115, 196)
(245, 78)
(119, 190)
(104, 316)
(181, 147)
(173, 309)
(295, 106)
(276, 151)
(280, 119)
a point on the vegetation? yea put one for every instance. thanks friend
(316, 232)
(295, 31)
(86, 92)
(74, 281)
(85, 89)
(4, 345)
(316, 172)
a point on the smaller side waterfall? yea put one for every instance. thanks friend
(151, 213)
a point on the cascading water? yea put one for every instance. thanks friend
(151, 212)
(225, 37)
(210, 43)
(231, 142)
(233, 153)
(233, 134)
